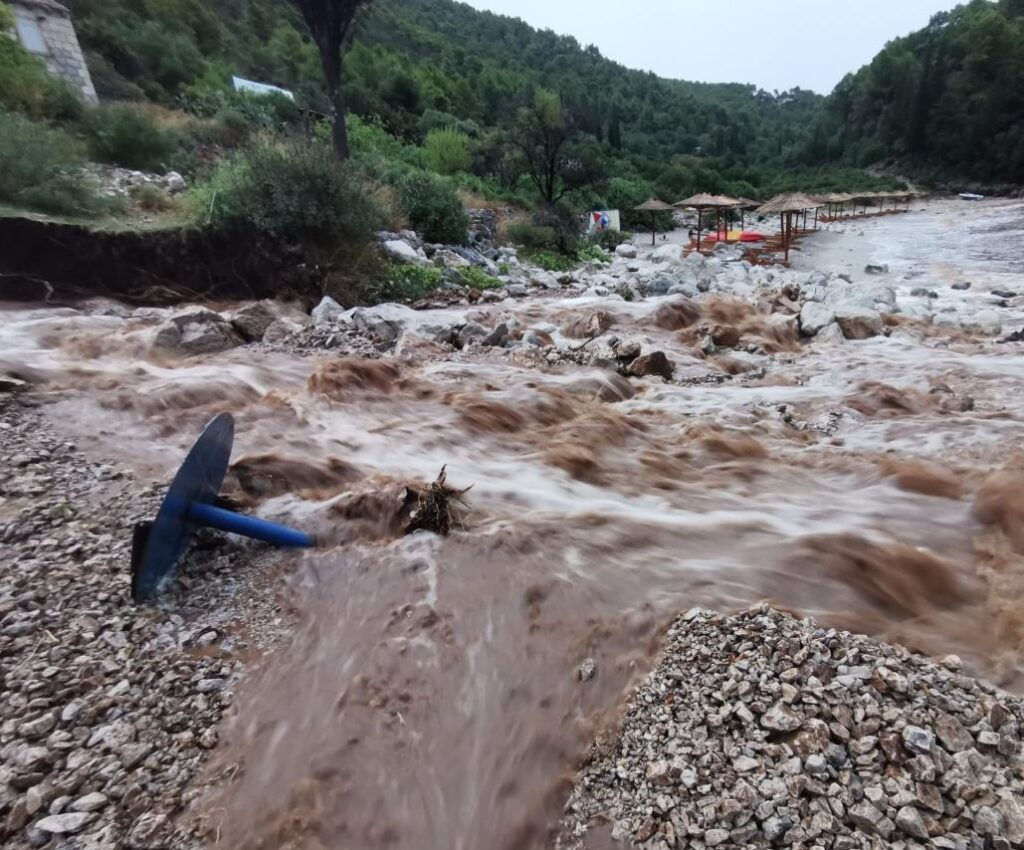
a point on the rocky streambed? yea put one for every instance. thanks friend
(641, 436)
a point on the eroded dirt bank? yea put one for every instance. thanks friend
(429, 695)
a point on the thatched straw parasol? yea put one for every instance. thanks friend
(654, 206)
(864, 199)
(786, 206)
(708, 202)
(744, 205)
(834, 199)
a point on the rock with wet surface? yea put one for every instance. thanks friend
(252, 321)
(655, 364)
(327, 311)
(196, 332)
(814, 317)
(859, 323)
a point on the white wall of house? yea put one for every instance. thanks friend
(45, 29)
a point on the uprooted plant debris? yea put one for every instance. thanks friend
(437, 507)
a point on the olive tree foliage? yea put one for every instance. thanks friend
(330, 22)
(555, 155)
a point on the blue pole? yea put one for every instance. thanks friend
(248, 526)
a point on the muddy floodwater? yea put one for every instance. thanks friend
(429, 698)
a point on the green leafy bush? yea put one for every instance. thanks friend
(40, 169)
(128, 137)
(26, 86)
(477, 278)
(446, 151)
(551, 261)
(526, 234)
(609, 240)
(592, 252)
(295, 191)
(434, 208)
(152, 198)
(407, 282)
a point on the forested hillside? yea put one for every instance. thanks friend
(420, 64)
(947, 101)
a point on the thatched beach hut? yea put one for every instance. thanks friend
(708, 202)
(654, 206)
(786, 206)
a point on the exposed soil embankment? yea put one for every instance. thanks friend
(44, 261)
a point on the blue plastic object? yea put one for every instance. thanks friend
(190, 504)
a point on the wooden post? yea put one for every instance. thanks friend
(654, 228)
(815, 218)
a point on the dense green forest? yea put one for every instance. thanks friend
(445, 99)
(417, 65)
(944, 102)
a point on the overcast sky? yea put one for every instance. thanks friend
(775, 44)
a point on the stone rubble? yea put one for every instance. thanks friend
(760, 730)
(109, 710)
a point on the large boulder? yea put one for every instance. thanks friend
(403, 252)
(815, 316)
(626, 251)
(280, 331)
(450, 260)
(471, 333)
(817, 279)
(475, 258)
(327, 312)
(655, 364)
(868, 296)
(859, 322)
(663, 283)
(539, 277)
(670, 254)
(831, 335)
(380, 323)
(196, 332)
(252, 321)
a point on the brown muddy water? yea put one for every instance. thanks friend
(429, 699)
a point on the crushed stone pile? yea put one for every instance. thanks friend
(108, 710)
(760, 730)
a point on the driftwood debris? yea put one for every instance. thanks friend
(437, 507)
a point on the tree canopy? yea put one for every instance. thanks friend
(947, 100)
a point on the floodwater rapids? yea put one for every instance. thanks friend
(429, 698)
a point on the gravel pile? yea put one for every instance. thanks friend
(107, 710)
(763, 731)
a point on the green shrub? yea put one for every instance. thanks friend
(526, 234)
(297, 191)
(477, 278)
(40, 169)
(551, 261)
(446, 151)
(126, 136)
(592, 252)
(403, 282)
(609, 240)
(26, 86)
(433, 208)
(152, 198)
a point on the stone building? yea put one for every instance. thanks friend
(44, 28)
